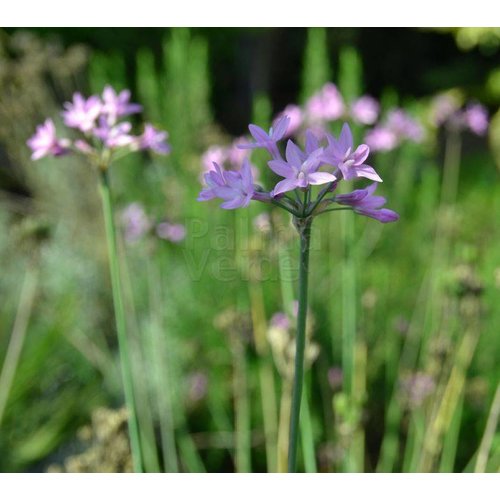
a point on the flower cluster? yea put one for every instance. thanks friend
(328, 105)
(321, 109)
(447, 110)
(100, 129)
(397, 127)
(325, 161)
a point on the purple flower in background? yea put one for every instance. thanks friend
(268, 140)
(365, 203)
(335, 378)
(82, 113)
(365, 110)
(326, 105)
(381, 138)
(351, 162)
(404, 126)
(299, 169)
(476, 118)
(117, 105)
(235, 187)
(154, 139)
(115, 136)
(235, 154)
(197, 386)
(98, 131)
(174, 233)
(135, 222)
(45, 142)
(296, 116)
(417, 387)
(280, 321)
(444, 108)
(214, 154)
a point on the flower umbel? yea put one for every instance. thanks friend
(100, 135)
(318, 164)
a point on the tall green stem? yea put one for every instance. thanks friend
(304, 229)
(126, 368)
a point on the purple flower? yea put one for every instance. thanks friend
(299, 169)
(476, 118)
(365, 203)
(171, 232)
(280, 321)
(235, 155)
(296, 116)
(115, 136)
(417, 387)
(235, 187)
(381, 138)
(335, 377)
(365, 110)
(404, 126)
(268, 140)
(214, 154)
(44, 142)
(154, 139)
(135, 222)
(84, 147)
(351, 162)
(197, 386)
(444, 108)
(117, 105)
(326, 105)
(82, 113)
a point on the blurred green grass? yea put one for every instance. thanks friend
(387, 309)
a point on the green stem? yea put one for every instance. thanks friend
(126, 368)
(320, 197)
(451, 170)
(304, 229)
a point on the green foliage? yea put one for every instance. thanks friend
(316, 68)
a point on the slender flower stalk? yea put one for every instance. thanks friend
(102, 137)
(121, 329)
(325, 161)
(304, 229)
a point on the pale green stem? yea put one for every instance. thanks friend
(489, 434)
(126, 368)
(306, 430)
(17, 337)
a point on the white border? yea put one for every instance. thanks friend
(250, 486)
(250, 13)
